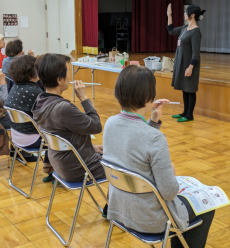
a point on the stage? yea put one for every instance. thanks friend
(214, 87)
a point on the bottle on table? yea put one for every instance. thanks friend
(126, 59)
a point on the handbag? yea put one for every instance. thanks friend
(113, 53)
(4, 139)
(167, 64)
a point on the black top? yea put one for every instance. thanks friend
(22, 97)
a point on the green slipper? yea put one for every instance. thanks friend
(176, 116)
(183, 119)
(58, 184)
(48, 179)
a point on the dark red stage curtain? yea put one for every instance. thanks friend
(90, 23)
(149, 21)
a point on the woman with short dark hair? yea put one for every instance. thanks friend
(59, 116)
(135, 144)
(22, 97)
(13, 48)
(186, 69)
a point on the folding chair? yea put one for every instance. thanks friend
(132, 182)
(58, 143)
(18, 116)
(21, 159)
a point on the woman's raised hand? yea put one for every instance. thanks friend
(80, 90)
(169, 10)
(30, 52)
(157, 110)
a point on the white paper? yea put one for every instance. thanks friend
(202, 198)
(11, 31)
(24, 21)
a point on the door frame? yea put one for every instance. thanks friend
(78, 26)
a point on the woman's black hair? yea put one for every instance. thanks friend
(50, 68)
(22, 68)
(14, 47)
(135, 87)
(196, 10)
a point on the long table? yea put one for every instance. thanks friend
(93, 66)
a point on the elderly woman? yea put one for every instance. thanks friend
(22, 97)
(13, 48)
(59, 116)
(132, 143)
(187, 59)
(2, 45)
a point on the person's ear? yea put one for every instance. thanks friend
(60, 81)
(193, 16)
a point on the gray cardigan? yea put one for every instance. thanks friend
(135, 145)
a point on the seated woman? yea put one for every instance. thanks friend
(13, 48)
(59, 116)
(22, 97)
(4, 118)
(132, 143)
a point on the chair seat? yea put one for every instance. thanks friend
(70, 185)
(153, 238)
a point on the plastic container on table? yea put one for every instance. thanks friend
(153, 63)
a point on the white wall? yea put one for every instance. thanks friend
(67, 26)
(33, 37)
(114, 6)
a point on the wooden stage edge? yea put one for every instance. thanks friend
(214, 86)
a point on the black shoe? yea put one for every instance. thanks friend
(31, 158)
(104, 214)
(12, 155)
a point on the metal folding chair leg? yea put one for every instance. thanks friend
(94, 201)
(109, 235)
(34, 176)
(165, 240)
(102, 193)
(182, 240)
(22, 160)
(66, 243)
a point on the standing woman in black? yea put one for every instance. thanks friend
(187, 59)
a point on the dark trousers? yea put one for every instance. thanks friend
(6, 122)
(37, 145)
(196, 237)
(189, 105)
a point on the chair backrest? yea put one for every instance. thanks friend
(132, 182)
(17, 116)
(57, 143)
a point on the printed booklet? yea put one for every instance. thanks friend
(201, 197)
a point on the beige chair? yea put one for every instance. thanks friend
(58, 143)
(132, 182)
(18, 116)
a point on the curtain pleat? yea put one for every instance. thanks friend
(90, 23)
(215, 26)
(149, 21)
